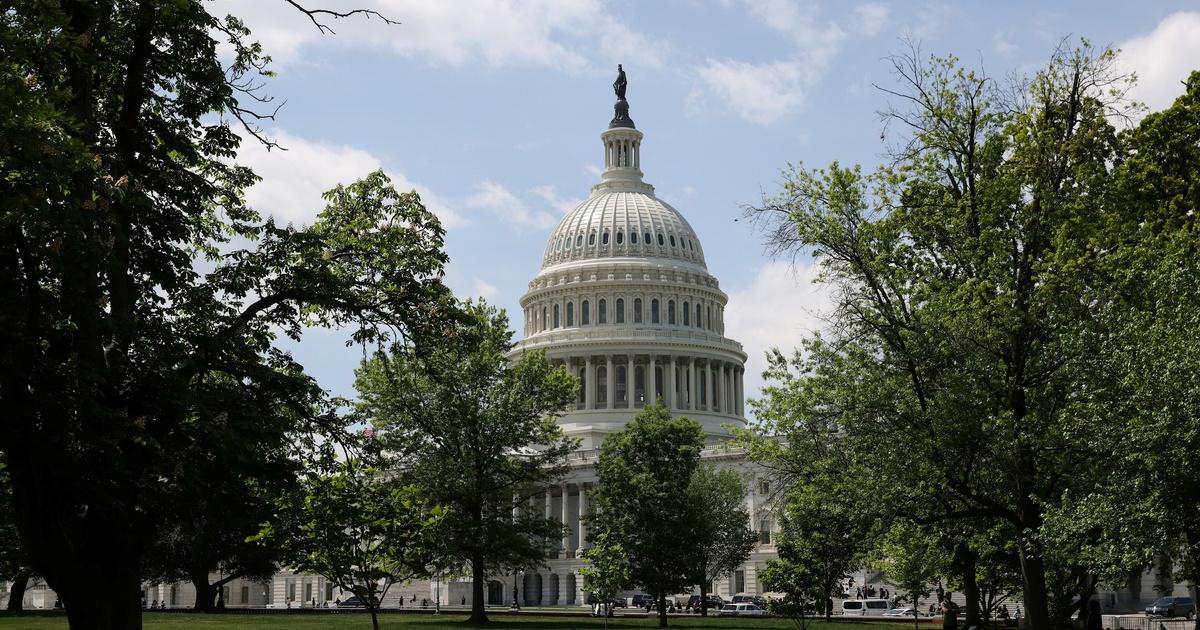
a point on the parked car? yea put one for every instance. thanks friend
(757, 600)
(1172, 607)
(868, 607)
(714, 602)
(640, 600)
(904, 612)
(744, 609)
(352, 602)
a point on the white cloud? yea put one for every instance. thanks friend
(762, 93)
(469, 288)
(759, 93)
(1163, 59)
(499, 201)
(872, 17)
(569, 35)
(293, 180)
(781, 307)
(1004, 47)
(564, 204)
(485, 290)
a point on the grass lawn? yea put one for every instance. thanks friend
(361, 621)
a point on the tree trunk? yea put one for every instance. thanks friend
(478, 601)
(703, 599)
(662, 610)
(16, 596)
(1033, 579)
(375, 616)
(205, 592)
(966, 561)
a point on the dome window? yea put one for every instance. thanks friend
(637, 310)
(661, 242)
(579, 241)
(570, 313)
(592, 238)
(672, 240)
(654, 317)
(620, 311)
(710, 318)
(604, 239)
(648, 239)
(602, 314)
(620, 237)
(671, 312)
(687, 318)
(633, 238)
(585, 313)
(557, 321)
(698, 324)
(543, 318)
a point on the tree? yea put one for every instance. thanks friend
(720, 526)
(606, 571)
(965, 301)
(475, 431)
(360, 529)
(14, 566)
(911, 563)
(118, 150)
(644, 471)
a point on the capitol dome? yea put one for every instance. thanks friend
(625, 302)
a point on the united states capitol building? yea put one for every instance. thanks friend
(625, 302)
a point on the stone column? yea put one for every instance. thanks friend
(563, 593)
(546, 594)
(672, 393)
(693, 395)
(651, 382)
(612, 383)
(725, 388)
(550, 514)
(566, 522)
(580, 596)
(630, 382)
(589, 383)
(582, 520)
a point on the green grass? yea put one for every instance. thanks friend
(361, 621)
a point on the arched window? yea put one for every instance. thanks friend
(570, 313)
(592, 238)
(585, 314)
(698, 324)
(604, 239)
(556, 319)
(633, 238)
(710, 318)
(670, 311)
(579, 241)
(687, 318)
(654, 311)
(660, 240)
(620, 237)
(648, 241)
(637, 310)
(602, 317)
(639, 386)
(620, 311)
(543, 318)
(672, 240)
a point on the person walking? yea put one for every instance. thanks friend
(949, 614)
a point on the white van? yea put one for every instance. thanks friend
(870, 607)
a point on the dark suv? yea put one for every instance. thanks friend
(714, 603)
(1172, 607)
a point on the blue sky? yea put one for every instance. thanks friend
(493, 110)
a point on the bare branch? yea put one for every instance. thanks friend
(313, 13)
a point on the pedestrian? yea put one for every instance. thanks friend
(154, 605)
(941, 593)
(858, 593)
(338, 602)
(949, 614)
(1095, 621)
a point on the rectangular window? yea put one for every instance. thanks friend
(764, 487)
(225, 594)
(308, 591)
(174, 594)
(291, 591)
(245, 594)
(601, 386)
(739, 581)
(329, 591)
(764, 532)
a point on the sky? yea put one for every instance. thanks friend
(493, 110)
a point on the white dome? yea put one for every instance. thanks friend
(623, 224)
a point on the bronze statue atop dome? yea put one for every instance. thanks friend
(621, 109)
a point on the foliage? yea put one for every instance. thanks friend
(966, 303)
(644, 471)
(119, 172)
(606, 571)
(721, 529)
(475, 431)
(911, 563)
(360, 529)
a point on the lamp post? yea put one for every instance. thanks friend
(516, 602)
